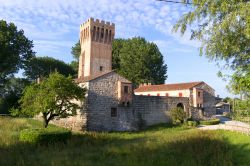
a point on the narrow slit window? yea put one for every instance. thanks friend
(126, 89)
(113, 112)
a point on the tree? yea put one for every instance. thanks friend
(136, 59)
(224, 30)
(43, 66)
(11, 93)
(140, 61)
(55, 96)
(15, 50)
(75, 51)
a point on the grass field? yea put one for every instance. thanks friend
(158, 145)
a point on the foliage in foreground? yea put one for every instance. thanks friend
(223, 27)
(55, 96)
(158, 145)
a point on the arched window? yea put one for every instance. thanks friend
(102, 34)
(106, 36)
(97, 34)
(94, 32)
(109, 36)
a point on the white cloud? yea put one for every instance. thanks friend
(59, 19)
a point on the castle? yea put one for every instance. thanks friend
(111, 102)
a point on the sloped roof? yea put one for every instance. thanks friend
(167, 87)
(90, 78)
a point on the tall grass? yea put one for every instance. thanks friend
(158, 145)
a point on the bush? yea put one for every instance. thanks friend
(227, 114)
(192, 123)
(44, 136)
(210, 122)
(177, 115)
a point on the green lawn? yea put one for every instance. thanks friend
(158, 145)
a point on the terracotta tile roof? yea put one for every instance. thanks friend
(167, 87)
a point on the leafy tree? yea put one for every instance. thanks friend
(141, 61)
(55, 96)
(223, 28)
(11, 93)
(15, 50)
(136, 59)
(75, 51)
(117, 45)
(43, 66)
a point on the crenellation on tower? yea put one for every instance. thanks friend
(96, 38)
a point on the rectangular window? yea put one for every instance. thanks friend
(101, 67)
(199, 94)
(180, 94)
(166, 94)
(126, 89)
(113, 112)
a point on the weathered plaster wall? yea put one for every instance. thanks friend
(185, 93)
(208, 110)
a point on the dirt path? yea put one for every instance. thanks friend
(228, 124)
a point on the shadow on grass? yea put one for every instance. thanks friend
(195, 148)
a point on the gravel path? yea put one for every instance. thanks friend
(228, 124)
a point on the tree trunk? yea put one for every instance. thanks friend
(45, 123)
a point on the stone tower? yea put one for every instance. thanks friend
(96, 48)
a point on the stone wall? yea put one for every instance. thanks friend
(209, 109)
(103, 95)
(156, 109)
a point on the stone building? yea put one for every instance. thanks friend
(111, 104)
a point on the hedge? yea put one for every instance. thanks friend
(210, 122)
(192, 123)
(44, 136)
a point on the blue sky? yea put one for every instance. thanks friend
(53, 25)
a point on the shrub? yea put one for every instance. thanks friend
(192, 123)
(210, 122)
(177, 115)
(44, 136)
(227, 114)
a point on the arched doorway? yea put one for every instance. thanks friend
(181, 106)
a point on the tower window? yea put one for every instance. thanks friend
(113, 112)
(126, 89)
(101, 68)
(102, 33)
(199, 94)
